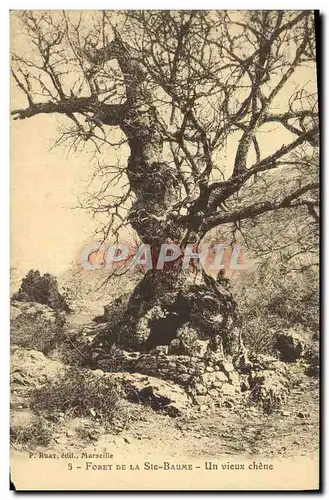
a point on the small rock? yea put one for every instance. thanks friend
(300, 414)
(221, 377)
(174, 346)
(213, 393)
(61, 440)
(228, 367)
(200, 389)
(228, 389)
(94, 435)
(203, 408)
(208, 378)
(160, 350)
(120, 441)
(285, 413)
(209, 369)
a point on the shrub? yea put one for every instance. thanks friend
(270, 301)
(78, 393)
(37, 330)
(36, 434)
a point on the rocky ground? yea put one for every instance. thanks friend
(234, 426)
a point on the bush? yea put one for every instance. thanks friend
(270, 301)
(37, 329)
(78, 393)
(36, 434)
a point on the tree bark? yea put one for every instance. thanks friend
(169, 301)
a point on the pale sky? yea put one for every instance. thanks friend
(45, 232)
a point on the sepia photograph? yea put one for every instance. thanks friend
(164, 269)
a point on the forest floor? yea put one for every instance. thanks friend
(232, 430)
(242, 429)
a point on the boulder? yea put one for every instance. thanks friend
(227, 367)
(175, 347)
(312, 357)
(32, 369)
(290, 345)
(263, 362)
(270, 387)
(160, 349)
(160, 395)
(234, 378)
(221, 377)
(14, 312)
(42, 289)
(228, 390)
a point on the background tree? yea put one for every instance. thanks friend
(168, 93)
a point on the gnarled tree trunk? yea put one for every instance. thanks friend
(169, 301)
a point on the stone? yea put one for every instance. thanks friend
(227, 367)
(175, 347)
(199, 348)
(201, 400)
(213, 393)
(181, 368)
(263, 362)
(14, 312)
(209, 369)
(203, 408)
(43, 290)
(290, 345)
(234, 378)
(200, 368)
(208, 378)
(221, 377)
(160, 395)
(61, 440)
(32, 368)
(200, 389)
(301, 414)
(270, 387)
(184, 378)
(160, 349)
(228, 389)
(182, 359)
(22, 419)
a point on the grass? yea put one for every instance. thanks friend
(36, 434)
(78, 393)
